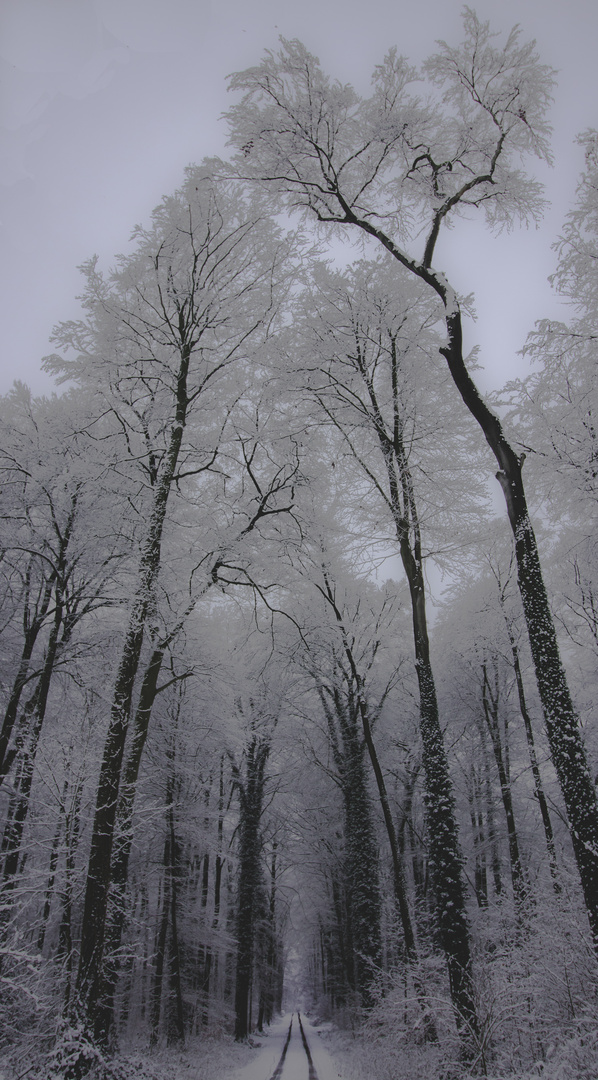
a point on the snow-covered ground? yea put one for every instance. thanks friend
(296, 1065)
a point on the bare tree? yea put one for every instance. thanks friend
(157, 351)
(362, 340)
(393, 166)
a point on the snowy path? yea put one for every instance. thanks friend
(292, 1051)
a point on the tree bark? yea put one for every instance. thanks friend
(212, 958)
(538, 786)
(361, 886)
(251, 795)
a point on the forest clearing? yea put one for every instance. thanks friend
(299, 623)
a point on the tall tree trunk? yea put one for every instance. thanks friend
(211, 972)
(156, 988)
(65, 935)
(340, 947)
(400, 891)
(478, 839)
(406, 826)
(272, 954)
(361, 865)
(251, 795)
(63, 823)
(361, 850)
(562, 723)
(490, 701)
(115, 913)
(491, 831)
(54, 852)
(445, 859)
(538, 786)
(31, 724)
(176, 1019)
(32, 624)
(93, 927)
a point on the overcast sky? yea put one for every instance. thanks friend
(104, 102)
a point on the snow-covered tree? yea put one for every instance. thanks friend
(166, 349)
(397, 167)
(364, 340)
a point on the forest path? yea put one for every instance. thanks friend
(293, 1051)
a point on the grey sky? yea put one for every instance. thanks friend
(104, 102)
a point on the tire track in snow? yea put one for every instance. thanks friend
(278, 1070)
(277, 1074)
(312, 1072)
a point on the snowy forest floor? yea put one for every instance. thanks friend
(334, 1054)
(205, 1058)
(210, 1058)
